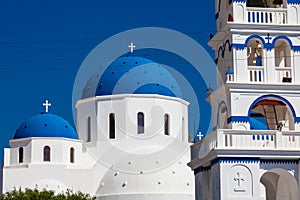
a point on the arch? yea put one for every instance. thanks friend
(72, 155)
(293, 15)
(271, 112)
(274, 97)
(47, 154)
(141, 123)
(112, 126)
(167, 124)
(282, 37)
(89, 129)
(280, 185)
(282, 52)
(239, 14)
(222, 115)
(255, 52)
(21, 155)
(267, 3)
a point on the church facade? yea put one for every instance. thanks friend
(127, 146)
(253, 151)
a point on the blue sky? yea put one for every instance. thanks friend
(43, 44)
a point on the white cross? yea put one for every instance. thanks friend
(47, 105)
(131, 46)
(200, 135)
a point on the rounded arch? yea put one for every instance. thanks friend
(271, 112)
(282, 37)
(222, 115)
(280, 184)
(272, 96)
(255, 52)
(255, 37)
(282, 53)
(267, 3)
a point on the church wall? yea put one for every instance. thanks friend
(239, 179)
(86, 108)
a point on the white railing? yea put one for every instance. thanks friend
(256, 74)
(282, 72)
(247, 140)
(267, 15)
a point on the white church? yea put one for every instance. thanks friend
(134, 145)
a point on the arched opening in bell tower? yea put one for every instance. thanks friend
(283, 61)
(271, 114)
(280, 185)
(267, 3)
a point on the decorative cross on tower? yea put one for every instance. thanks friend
(47, 105)
(239, 187)
(268, 38)
(200, 135)
(131, 46)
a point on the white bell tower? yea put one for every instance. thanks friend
(253, 151)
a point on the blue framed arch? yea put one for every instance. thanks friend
(242, 46)
(296, 119)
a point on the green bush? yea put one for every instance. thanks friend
(35, 194)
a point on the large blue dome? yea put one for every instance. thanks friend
(45, 125)
(133, 75)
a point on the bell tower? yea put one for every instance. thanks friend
(257, 51)
(253, 150)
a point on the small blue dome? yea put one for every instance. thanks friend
(45, 125)
(229, 72)
(133, 75)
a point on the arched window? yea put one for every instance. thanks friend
(72, 155)
(112, 126)
(21, 155)
(283, 61)
(255, 53)
(47, 153)
(167, 124)
(140, 122)
(282, 54)
(89, 129)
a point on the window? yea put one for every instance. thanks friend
(112, 126)
(89, 129)
(72, 151)
(140, 122)
(167, 124)
(47, 153)
(255, 53)
(21, 154)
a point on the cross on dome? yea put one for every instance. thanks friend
(131, 47)
(47, 105)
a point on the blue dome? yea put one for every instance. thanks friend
(229, 72)
(134, 75)
(45, 125)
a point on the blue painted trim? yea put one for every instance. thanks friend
(296, 119)
(222, 48)
(238, 119)
(242, 46)
(239, 160)
(243, 1)
(268, 46)
(295, 48)
(239, 46)
(230, 1)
